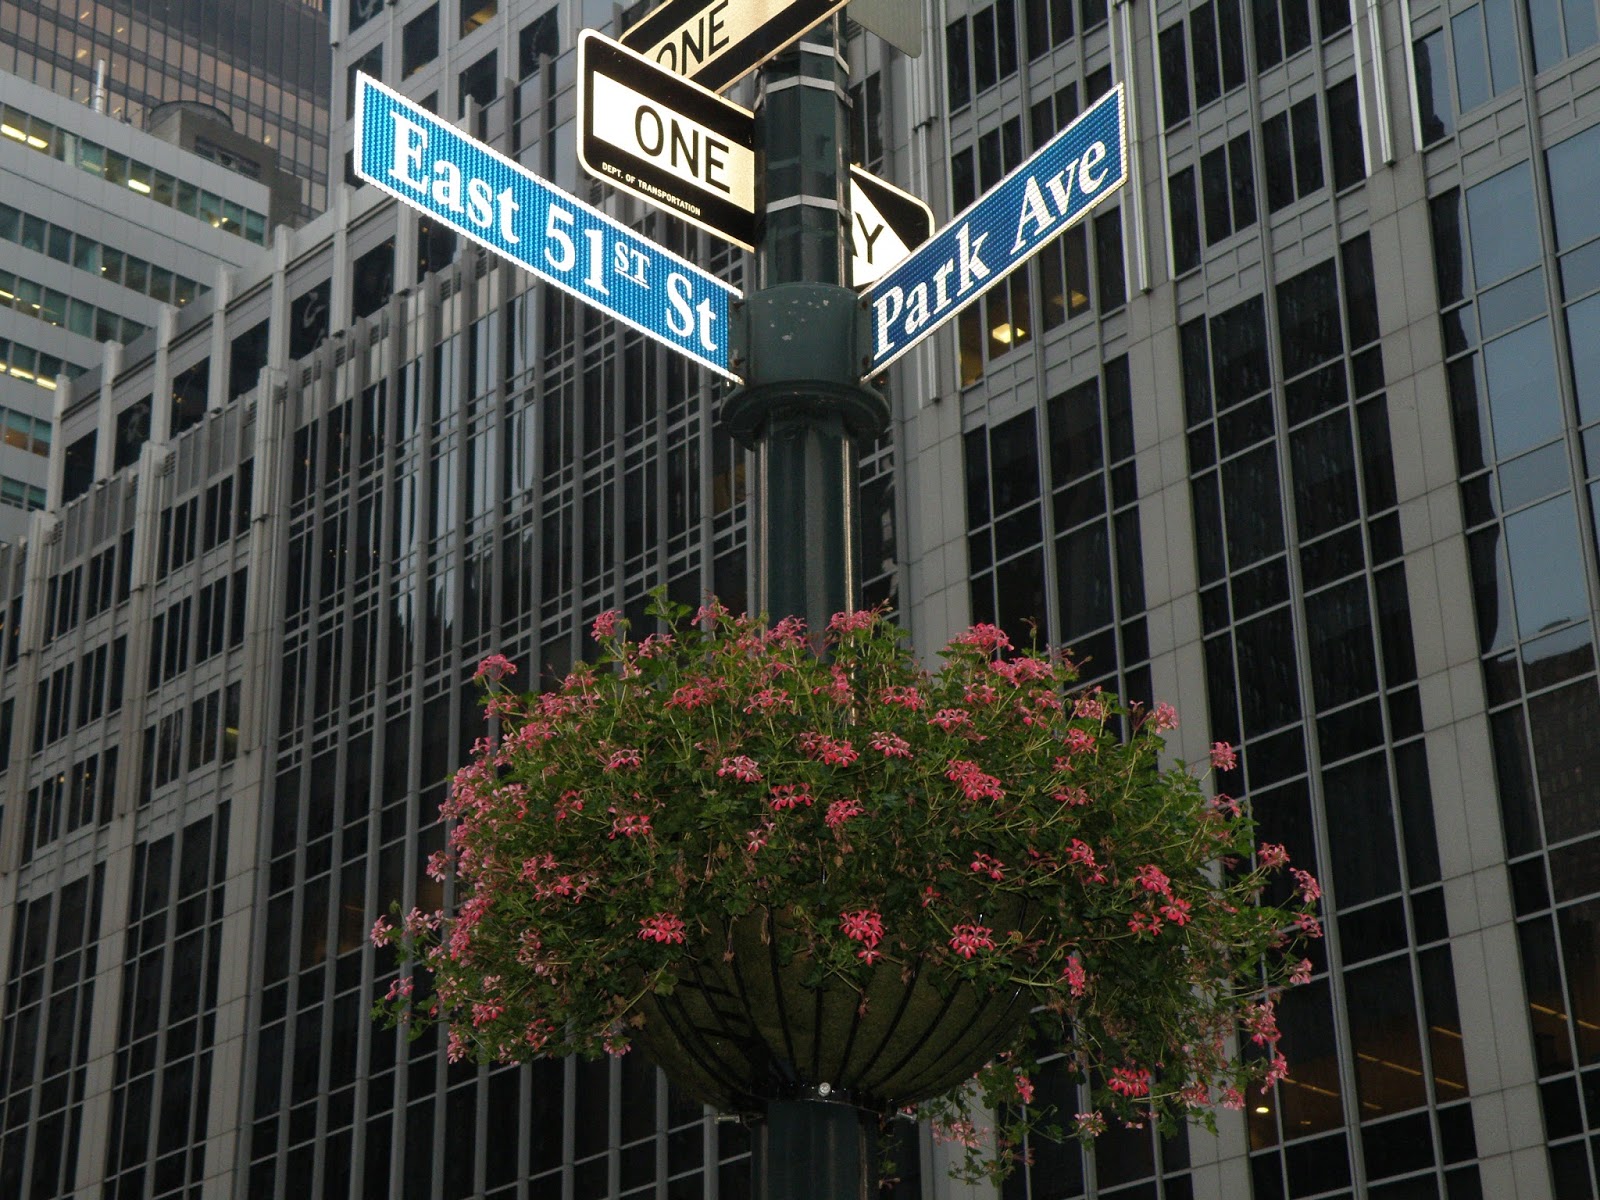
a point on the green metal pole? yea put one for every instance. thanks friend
(800, 343)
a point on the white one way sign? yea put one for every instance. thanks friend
(1054, 189)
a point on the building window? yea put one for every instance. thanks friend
(419, 42)
(866, 122)
(1184, 202)
(370, 63)
(248, 356)
(1485, 44)
(372, 280)
(78, 467)
(476, 13)
(190, 389)
(1345, 141)
(1048, 22)
(1292, 144)
(1435, 103)
(540, 39)
(990, 35)
(1282, 29)
(1228, 190)
(1560, 30)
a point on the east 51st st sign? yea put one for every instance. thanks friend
(1065, 179)
(411, 154)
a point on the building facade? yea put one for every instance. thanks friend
(101, 226)
(1296, 435)
(263, 63)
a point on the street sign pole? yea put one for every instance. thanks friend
(799, 342)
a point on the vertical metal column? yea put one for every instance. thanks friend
(799, 343)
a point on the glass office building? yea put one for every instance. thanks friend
(265, 63)
(1296, 435)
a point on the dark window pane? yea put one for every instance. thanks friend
(1344, 136)
(1243, 182)
(1185, 222)
(1174, 76)
(1279, 165)
(1435, 111)
(1547, 575)
(1503, 240)
(1324, 476)
(1524, 400)
(1230, 31)
(1203, 37)
(1307, 146)
(1269, 692)
(1472, 61)
(1269, 40)
(1215, 188)
(1565, 758)
(1367, 867)
(958, 70)
(1296, 26)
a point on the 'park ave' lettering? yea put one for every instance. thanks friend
(1055, 188)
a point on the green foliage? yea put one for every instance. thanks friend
(977, 821)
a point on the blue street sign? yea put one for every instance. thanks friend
(434, 167)
(1001, 230)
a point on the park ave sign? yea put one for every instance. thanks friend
(1053, 190)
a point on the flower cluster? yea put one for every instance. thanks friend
(977, 823)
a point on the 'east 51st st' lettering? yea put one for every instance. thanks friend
(443, 183)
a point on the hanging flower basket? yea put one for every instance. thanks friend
(785, 873)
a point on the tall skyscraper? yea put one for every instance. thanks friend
(1296, 435)
(264, 63)
(101, 225)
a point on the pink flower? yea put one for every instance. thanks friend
(568, 805)
(1301, 973)
(1126, 1081)
(840, 811)
(979, 693)
(756, 839)
(835, 752)
(1223, 757)
(1310, 889)
(790, 795)
(1309, 925)
(1024, 1089)
(711, 610)
(1227, 804)
(495, 668)
(689, 696)
(456, 1050)
(1073, 797)
(1271, 856)
(1077, 978)
(742, 767)
(902, 697)
(1232, 1098)
(1145, 922)
(864, 925)
(1079, 741)
(382, 932)
(891, 745)
(629, 825)
(852, 622)
(1261, 1022)
(1164, 717)
(768, 698)
(1278, 1070)
(623, 760)
(948, 718)
(662, 927)
(1153, 879)
(984, 637)
(605, 626)
(974, 784)
(1089, 707)
(1090, 1123)
(967, 940)
(1179, 912)
(1082, 855)
(986, 864)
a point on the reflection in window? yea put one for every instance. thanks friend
(1524, 399)
(1547, 576)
